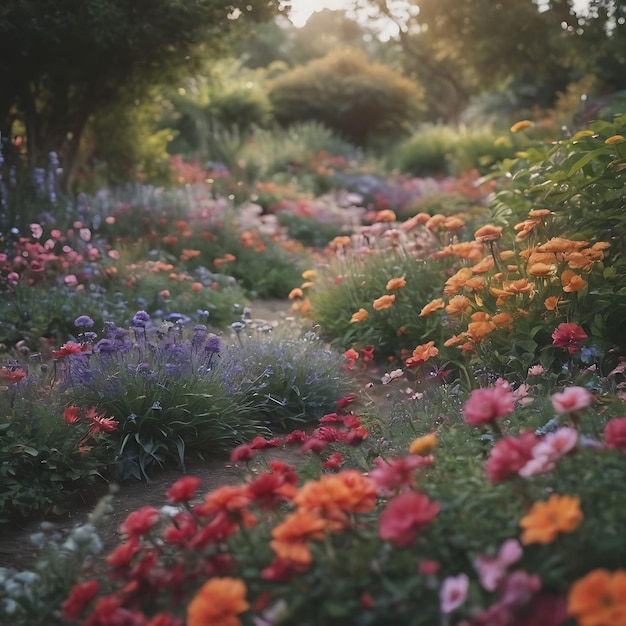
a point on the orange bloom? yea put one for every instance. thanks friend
(435, 222)
(542, 269)
(423, 445)
(186, 254)
(489, 232)
(386, 215)
(454, 223)
(458, 305)
(309, 274)
(546, 519)
(483, 266)
(551, 303)
(475, 283)
(480, 326)
(458, 280)
(572, 281)
(226, 499)
(599, 598)
(291, 536)
(384, 302)
(559, 244)
(341, 242)
(521, 125)
(454, 341)
(296, 294)
(396, 283)
(615, 139)
(217, 603)
(501, 320)
(196, 287)
(464, 250)
(432, 306)
(227, 258)
(360, 316)
(425, 351)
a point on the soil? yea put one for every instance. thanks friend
(18, 552)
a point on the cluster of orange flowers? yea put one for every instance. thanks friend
(253, 239)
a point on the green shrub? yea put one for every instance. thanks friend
(426, 152)
(347, 93)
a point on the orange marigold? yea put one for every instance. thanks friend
(396, 283)
(296, 294)
(458, 305)
(217, 603)
(423, 445)
(546, 519)
(360, 316)
(384, 302)
(292, 535)
(432, 306)
(599, 598)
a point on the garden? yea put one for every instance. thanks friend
(304, 336)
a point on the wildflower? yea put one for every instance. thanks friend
(569, 336)
(518, 588)
(396, 283)
(388, 377)
(309, 274)
(458, 305)
(521, 125)
(480, 326)
(432, 306)
(392, 474)
(384, 302)
(453, 592)
(80, 596)
(423, 445)
(184, 489)
(535, 370)
(486, 405)
(491, 570)
(509, 455)
(404, 516)
(551, 303)
(542, 269)
(83, 321)
(546, 519)
(360, 316)
(67, 349)
(615, 433)
(572, 399)
(599, 598)
(99, 423)
(615, 139)
(217, 603)
(11, 375)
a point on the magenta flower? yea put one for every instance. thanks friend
(572, 399)
(453, 592)
(486, 405)
(569, 336)
(615, 433)
(552, 448)
(491, 570)
(404, 516)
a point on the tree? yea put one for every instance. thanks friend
(65, 60)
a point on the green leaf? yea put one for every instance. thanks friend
(587, 158)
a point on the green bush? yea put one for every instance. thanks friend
(425, 153)
(348, 94)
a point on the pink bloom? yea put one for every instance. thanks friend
(428, 568)
(404, 516)
(572, 399)
(453, 592)
(518, 588)
(486, 405)
(535, 370)
(392, 474)
(242, 452)
(183, 489)
(509, 455)
(568, 336)
(549, 450)
(491, 570)
(615, 433)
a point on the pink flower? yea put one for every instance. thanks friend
(535, 370)
(549, 450)
(572, 399)
(509, 455)
(453, 592)
(242, 452)
(518, 588)
(568, 336)
(404, 516)
(486, 405)
(392, 474)
(615, 433)
(491, 570)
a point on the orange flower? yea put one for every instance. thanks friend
(396, 283)
(454, 341)
(559, 244)
(572, 281)
(599, 598)
(458, 280)
(227, 258)
(615, 139)
(521, 125)
(217, 603)
(360, 316)
(475, 283)
(546, 519)
(226, 499)
(386, 215)
(454, 223)
(435, 222)
(432, 306)
(551, 303)
(489, 232)
(458, 305)
(480, 326)
(483, 266)
(384, 302)
(291, 536)
(309, 274)
(425, 351)
(296, 294)
(542, 269)
(501, 320)
(464, 250)
(423, 445)
(341, 242)
(196, 287)
(187, 254)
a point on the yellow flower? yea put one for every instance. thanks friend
(423, 445)
(615, 139)
(521, 125)
(546, 519)
(396, 283)
(309, 274)
(360, 316)
(384, 302)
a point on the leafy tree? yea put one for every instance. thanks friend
(348, 94)
(69, 58)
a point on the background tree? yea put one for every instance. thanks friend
(64, 61)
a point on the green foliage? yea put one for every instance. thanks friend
(426, 152)
(347, 93)
(309, 231)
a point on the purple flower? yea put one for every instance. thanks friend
(83, 321)
(140, 319)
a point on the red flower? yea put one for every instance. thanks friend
(615, 433)
(184, 529)
(313, 444)
(486, 405)
(99, 423)
(404, 516)
(342, 403)
(242, 452)
(270, 490)
(568, 336)
(183, 489)
(165, 619)
(392, 474)
(260, 443)
(71, 415)
(351, 421)
(80, 596)
(281, 570)
(285, 470)
(139, 522)
(71, 347)
(296, 437)
(334, 461)
(122, 556)
(355, 436)
(330, 417)
(509, 455)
